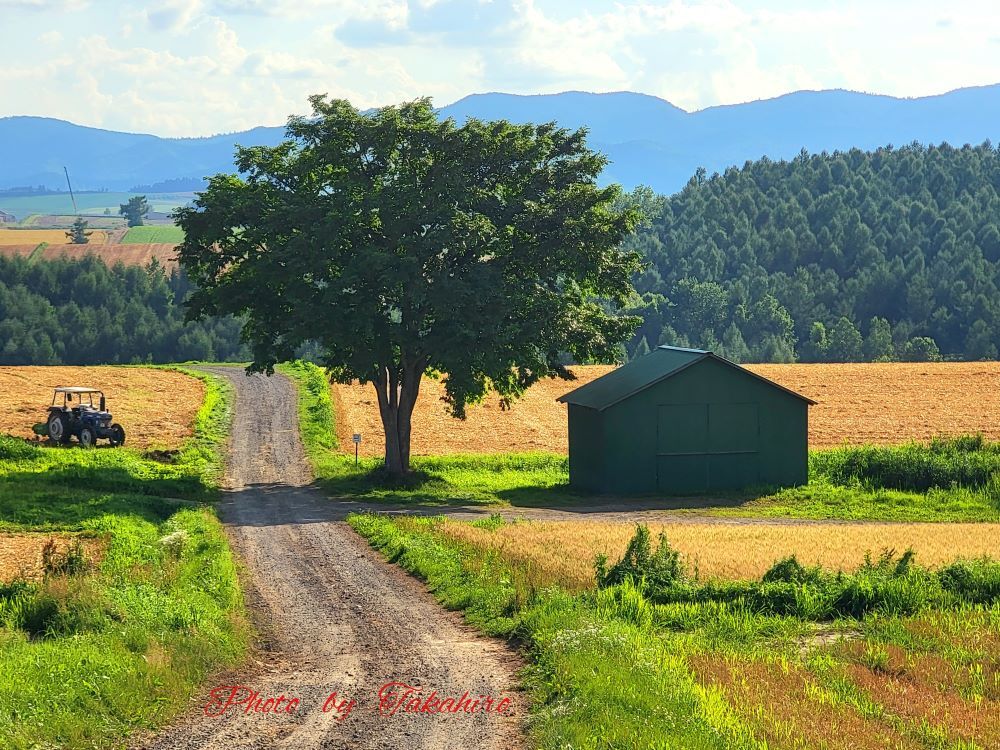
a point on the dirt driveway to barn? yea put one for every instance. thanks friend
(334, 616)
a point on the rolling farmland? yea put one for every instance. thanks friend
(858, 403)
(156, 407)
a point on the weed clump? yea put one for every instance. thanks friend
(641, 563)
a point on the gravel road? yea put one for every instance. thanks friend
(334, 616)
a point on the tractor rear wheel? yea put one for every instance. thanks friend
(87, 437)
(58, 428)
(117, 435)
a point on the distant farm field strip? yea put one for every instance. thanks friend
(156, 407)
(52, 236)
(858, 403)
(154, 234)
(130, 255)
(11, 251)
(563, 552)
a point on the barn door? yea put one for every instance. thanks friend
(705, 447)
(682, 442)
(733, 443)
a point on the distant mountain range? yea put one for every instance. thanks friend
(648, 140)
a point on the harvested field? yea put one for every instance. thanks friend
(156, 407)
(563, 551)
(21, 554)
(52, 236)
(858, 403)
(131, 255)
(894, 402)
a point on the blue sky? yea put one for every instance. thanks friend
(194, 67)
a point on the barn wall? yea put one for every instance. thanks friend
(586, 448)
(630, 429)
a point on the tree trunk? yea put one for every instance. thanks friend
(397, 390)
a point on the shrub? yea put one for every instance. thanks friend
(640, 563)
(966, 461)
(974, 581)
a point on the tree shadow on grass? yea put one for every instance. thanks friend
(564, 497)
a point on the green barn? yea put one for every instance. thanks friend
(685, 421)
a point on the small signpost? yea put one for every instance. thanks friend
(356, 437)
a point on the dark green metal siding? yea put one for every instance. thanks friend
(709, 427)
(586, 460)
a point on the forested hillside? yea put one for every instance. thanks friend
(891, 254)
(83, 312)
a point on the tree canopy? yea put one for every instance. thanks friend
(889, 254)
(400, 243)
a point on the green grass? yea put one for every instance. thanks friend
(146, 234)
(625, 667)
(91, 656)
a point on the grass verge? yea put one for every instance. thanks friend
(624, 666)
(95, 651)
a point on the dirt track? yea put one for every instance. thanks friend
(333, 614)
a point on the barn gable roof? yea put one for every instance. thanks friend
(641, 373)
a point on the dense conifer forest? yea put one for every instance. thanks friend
(854, 256)
(83, 312)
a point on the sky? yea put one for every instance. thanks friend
(196, 67)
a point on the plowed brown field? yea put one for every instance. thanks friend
(156, 407)
(858, 403)
(54, 236)
(130, 255)
(21, 554)
(11, 251)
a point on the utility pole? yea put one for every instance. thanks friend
(71, 196)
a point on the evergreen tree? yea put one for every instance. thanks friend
(79, 235)
(135, 210)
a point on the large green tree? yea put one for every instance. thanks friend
(135, 210)
(399, 243)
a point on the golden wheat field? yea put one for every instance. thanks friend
(858, 403)
(37, 236)
(21, 554)
(563, 552)
(156, 407)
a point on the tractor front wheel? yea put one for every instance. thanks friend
(87, 437)
(58, 428)
(117, 435)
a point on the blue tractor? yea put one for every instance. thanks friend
(74, 414)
